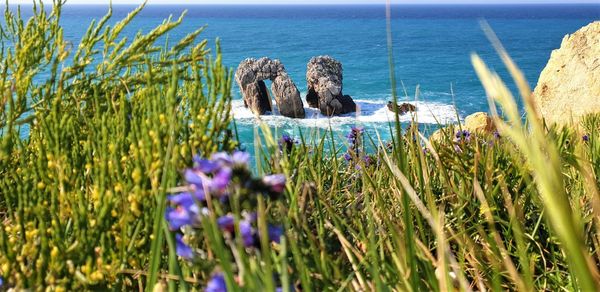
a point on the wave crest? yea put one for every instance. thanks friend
(369, 111)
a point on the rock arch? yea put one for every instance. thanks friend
(324, 84)
(250, 76)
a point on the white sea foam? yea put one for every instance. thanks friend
(370, 111)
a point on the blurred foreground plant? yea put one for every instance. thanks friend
(91, 135)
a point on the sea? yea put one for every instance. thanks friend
(432, 47)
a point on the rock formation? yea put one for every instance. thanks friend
(324, 84)
(569, 85)
(250, 76)
(478, 122)
(402, 108)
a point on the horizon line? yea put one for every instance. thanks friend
(314, 4)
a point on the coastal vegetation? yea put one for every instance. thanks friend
(120, 170)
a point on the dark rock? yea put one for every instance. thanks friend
(250, 76)
(312, 98)
(324, 83)
(287, 97)
(348, 105)
(402, 108)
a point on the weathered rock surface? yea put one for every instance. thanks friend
(478, 122)
(324, 83)
(569, 85)
(250, 76)
(402, 108)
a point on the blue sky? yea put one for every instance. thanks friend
(309, 1)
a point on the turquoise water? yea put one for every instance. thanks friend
(432, 47)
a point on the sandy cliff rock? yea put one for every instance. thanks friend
(476, 123)
(569, 85)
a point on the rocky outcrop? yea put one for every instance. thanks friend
(250, 76)
(324, 84)
(477, 123)
(569, 85)
(402, 108)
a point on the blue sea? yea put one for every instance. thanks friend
(432, 46)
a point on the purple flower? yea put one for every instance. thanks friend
(182, 249)
(355, 133)
(240, 158)
(347, 156)
(247, 233)
(275, 182)
(222, 159)
(359, 130)
(185, 212)
(205, 165)
(226, 223)
(286, 143)
(178, 217)
(216, 284)
(463, 135)
(497, 134)
(193, 178)
(286, 139)
(187, 199)
(275, 233)
(586, 138)
(221, 179)
(368, 161)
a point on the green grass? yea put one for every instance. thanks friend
(82, 198)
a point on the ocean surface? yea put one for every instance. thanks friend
(432, 47)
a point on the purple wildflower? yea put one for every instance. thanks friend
(226, 223)
(355, 133)
(182, 199)
(178, 217)
(221, 179)
(182, 249)
(275, 233)
(275, 182)
(185, 212)
(347, 156)
(205, 165)
(463, 136)
(286, 143)
(247, 233)
(368, 161)
(216, 284)
(497, 135)
(222, 159)
(240, 158)
(586, 138)
(193, 178)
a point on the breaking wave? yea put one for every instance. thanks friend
(369, 111)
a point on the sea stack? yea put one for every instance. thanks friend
(250, 76)
(324, 84)
(569, 85)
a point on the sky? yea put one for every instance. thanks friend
(311, 1)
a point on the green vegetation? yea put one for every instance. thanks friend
(114, 123)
